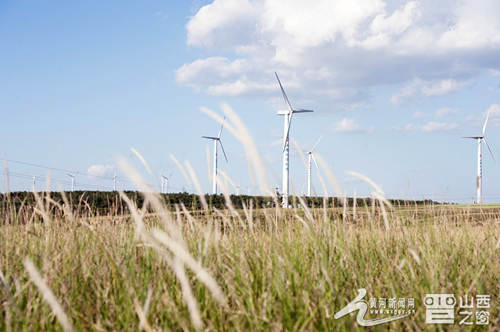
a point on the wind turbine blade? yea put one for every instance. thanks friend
(302, 111)
(315, 163)
(287, 133)
(489, 150)
(209, 137)
(474, 137)
(284, 94)
(222, 125)
(69, 175)
(170, 175)
(316, 144)
(223, 150)
(486, 122)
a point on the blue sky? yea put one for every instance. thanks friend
(394, 86)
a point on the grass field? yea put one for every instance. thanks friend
(259, 270)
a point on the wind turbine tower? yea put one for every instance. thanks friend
(114, 182)
(216, 140)
(286, 143)
(34, 180)
(311, 156)
(165, 187)
(73, 180)
(479, 179)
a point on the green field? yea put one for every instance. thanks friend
(258, 269)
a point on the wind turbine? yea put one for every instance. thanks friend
(164, 189)
(286, 142)
(34, 180)
(479, 179)
(114, 182)
(311, 156)
(216, 139)
(73, 180)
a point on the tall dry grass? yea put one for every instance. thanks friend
(257, 269)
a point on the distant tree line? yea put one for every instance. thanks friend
(109, 202)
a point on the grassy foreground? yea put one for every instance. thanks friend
(253, 270)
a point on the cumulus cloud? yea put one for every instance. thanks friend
(419, 90)
(407, 128)
(431, 126)
(350, 126)
(494, 119)
(442, 127)
(476, 120)
(223, 24)
(445, 112)
(418, 115)
(429, 48)
(99, 170)
(442, 88)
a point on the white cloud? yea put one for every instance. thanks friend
(495, 72)
(494, 111)
(418, 90)
(350, 126)
(216, 70)
(478, 120)
(444, 112)
(442, 127)
(383, 28)
(99, 170)
(430, 47)
(223, 24)
(431, 126)
(418, 115)
(442, 88)
(407, 128)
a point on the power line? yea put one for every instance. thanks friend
(72, 172)
(59, 169)
(67, 182)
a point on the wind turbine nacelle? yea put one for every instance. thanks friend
(294, 111)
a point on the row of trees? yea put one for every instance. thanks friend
(110, 203)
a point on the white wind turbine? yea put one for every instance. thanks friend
(311, 156)
(114, 182)
(73, 180)
(34, 180)
(216, 139)
(286, 142)
(164, 188)
(479, 179)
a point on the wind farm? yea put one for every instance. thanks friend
(370, 212)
